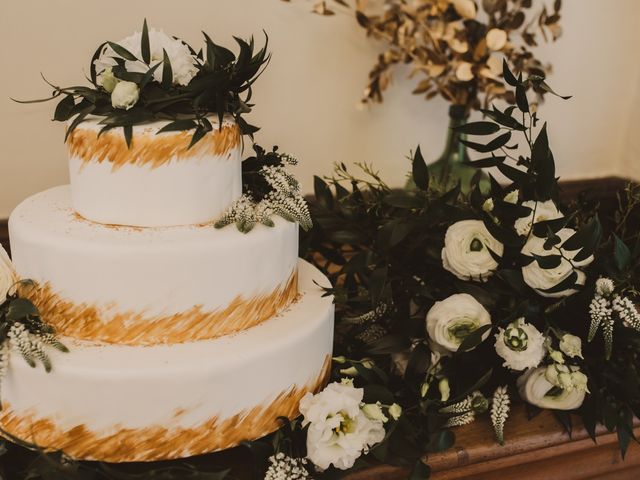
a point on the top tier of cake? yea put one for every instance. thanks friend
(158, 180)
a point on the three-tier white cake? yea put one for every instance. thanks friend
(184, 339)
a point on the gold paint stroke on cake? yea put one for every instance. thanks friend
(149, 149)
(159, 442)
(94, 323)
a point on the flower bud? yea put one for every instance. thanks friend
(571, 345)
(340, 360)
(512, 196)
(395, 411)
(125, 95)
(350, 371)
(445, 391)
(605, 286)
(487, 206)
(108, 80)
(579, 381)
(373, 411)
(556, 356)
(424, 389)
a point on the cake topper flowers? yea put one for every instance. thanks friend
(153, 76)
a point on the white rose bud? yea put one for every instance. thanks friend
(125, 95)
(108, 80)
(466, 252)
(451, 320)
(543, 211)
(535, 389)
(521, 345)
(571, 345)
(373, 411)
(395, 411)
(541, 279)
(445, 390)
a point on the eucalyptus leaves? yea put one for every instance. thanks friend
(151, 75)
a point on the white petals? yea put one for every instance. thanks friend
(521, 345)
(467, 250)
(500, 406)
(8, 275)
(465, 8)
(464, 72)
(543, 211)
(451, 320)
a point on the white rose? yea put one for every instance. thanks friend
(543, 211)
(571, 345)
(450, 321)
(183, 63)
(534, 388)
(540, 278)
(8, 275)
(466, 250)
(521, 345)
(125, 95)
(339, 431)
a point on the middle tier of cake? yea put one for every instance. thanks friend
(144, 286)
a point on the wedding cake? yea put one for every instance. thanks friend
(183, 338)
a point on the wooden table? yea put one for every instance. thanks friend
(536, 449)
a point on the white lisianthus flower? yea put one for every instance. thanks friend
(183, 62)
(8, 276)
(541, 279)
(571, 345)
(466, 250)
(521, 345)
(540, 212)
(125, 95)
(535, 389)
(449, 321)
(339, 431)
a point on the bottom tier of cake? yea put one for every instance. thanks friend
(136, 403)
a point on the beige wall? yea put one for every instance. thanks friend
(306, 100)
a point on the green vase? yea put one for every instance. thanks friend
(452, 165)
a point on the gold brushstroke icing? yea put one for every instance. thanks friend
(98, 324)
(148, 148)
(160, 442)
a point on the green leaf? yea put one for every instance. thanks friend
(128, 134)
(20, 308)
(378, 393)
(496, 143)
(403, 199)
(148, 76)
(477, 128)
(548, 261)
(516, 175)
(420, 171)
(487, 162)
(123, 52)
(64, 109)
(521, 98)
(585, 236)
(322, 193)
(78, 120)
(389, 344)
(507, 75)
(622, 254)
(199, 132)
(504, 119)
(144, 43)
(548, 89)
(167, 71)
(177, 125)
(474, 339)
(420, 471)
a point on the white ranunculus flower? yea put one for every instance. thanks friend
(339, 431)
(125, 95)
(521, 345)
(449, 321)
(534, 389)
(466, 250)
(543, 211)
(571, 345)
(540, 278)
(183, 63)
(8, 275)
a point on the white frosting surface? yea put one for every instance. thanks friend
(193, 190)
(155, 271)
(107, 386)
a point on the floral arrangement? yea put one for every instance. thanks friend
(21, 328)
(151, 75)
(454, 47)
(268, 189)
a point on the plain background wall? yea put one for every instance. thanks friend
(306, 100)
